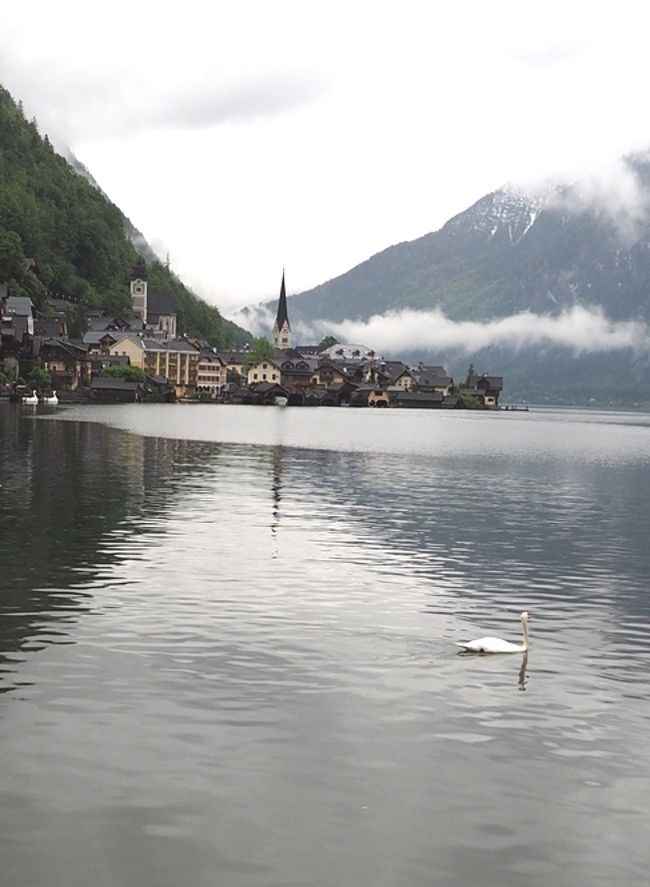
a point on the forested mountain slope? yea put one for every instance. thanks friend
(77, 237)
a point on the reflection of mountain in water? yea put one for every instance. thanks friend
(66, 487)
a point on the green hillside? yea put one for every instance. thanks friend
(77, 237)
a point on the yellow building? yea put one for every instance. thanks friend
(264, 371)
(130, 346)
(176, 361)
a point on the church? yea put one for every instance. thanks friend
(282, 327)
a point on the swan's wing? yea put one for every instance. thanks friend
(490, 645)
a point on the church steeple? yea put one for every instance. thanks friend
(282, 327)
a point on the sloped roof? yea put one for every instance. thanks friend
(160, 303)
(282, 315)
(174, 346)
(19, 305)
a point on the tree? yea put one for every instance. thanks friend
(261, 349)
(327, 342)
(12, 257)
(38, 378)
(126, 372)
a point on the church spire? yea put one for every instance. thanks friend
(282, 327)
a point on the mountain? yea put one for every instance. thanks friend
(508, 253)
(51, 210)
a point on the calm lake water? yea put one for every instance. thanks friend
(227, 648)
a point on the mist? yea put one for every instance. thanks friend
(578, 329)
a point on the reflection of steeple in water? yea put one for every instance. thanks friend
(276, 492)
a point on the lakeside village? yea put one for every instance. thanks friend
(142, 358)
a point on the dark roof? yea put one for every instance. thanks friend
(485, 381)
(160, 303)
(139, 269)
(175, 346)
(19, 305)
(265, 387)
(308, 350)
(50, 325)
(431, 375)
(72, 348)
(233, 357)
(393, 369)
(208, 354)
(283, 314)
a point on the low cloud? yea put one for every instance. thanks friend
(578, 329)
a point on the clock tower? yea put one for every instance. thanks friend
(139, 291)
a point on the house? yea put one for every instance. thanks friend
(16, 321)
(395, 373)
(432, 378)
(486, 389)
(106, 389)
(235, 362)
(54, 324)
(129, 345)
(265, 393)
(265, 370)
(296, 370)
(427, 400)
(369, 396)
(177, 361)
(211, 373)
(66, 362)
(100, 341)
(329, 373)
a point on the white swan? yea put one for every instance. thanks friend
(496, 645)
(32, 398)
(51, 400)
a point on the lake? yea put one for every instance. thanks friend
(227, 647)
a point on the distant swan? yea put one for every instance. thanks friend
(51, 400)
(496, 645)
(32, 398)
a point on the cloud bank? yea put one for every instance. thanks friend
(580, 330)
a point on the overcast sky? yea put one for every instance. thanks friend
(243, 137)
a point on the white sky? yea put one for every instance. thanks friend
(244, 137)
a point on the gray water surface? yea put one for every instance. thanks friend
(227, 647)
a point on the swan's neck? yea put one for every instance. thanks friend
(524, 625)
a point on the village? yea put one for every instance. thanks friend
(143, 358)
